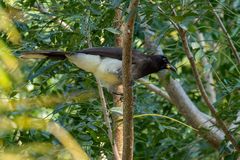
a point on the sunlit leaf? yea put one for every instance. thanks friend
(199, 54)
(5, 82)
(8, 27)
(24, 122)
(113, 30)
(7, 58)
(163, 116)
(53, 100)
(37, 147)
(174, 34)
(10, 62)
(11, 156)
(6, 124)
(10, 2)
(117, 110)
(67, 140)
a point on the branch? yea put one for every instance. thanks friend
(44, 10)
(173, 23)
(67, 141)
(128, 30)
(202, 90)
(155, 89)
(189, 54)
(183, 103)
(208, 75)
(236, 122)
(107, 120)
(118, 25)
(117, 124)
(229, 39)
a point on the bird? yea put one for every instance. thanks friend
(106, 63)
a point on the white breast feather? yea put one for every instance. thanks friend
(105, 69)
(83, 61)
(108, 70)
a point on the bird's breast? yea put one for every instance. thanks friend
(108, 70)
(86, 62)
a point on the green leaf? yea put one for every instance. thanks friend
(113, 30)
(207, 68)
(116, 110)
(199, 54)
(116, 3)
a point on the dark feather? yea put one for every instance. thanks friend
(113, 52)
(44, 54)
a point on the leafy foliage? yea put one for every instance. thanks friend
(69, 25)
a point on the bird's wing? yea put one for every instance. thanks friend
(110, 52)
(113, 52)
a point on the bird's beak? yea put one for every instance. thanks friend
(171, 67)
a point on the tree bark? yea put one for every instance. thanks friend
(117, 124)
(128, 133)
(208, 76)
(185, 106)
(220, 123)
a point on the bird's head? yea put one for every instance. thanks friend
(165, 64)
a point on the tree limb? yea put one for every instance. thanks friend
(202, 90)
(117, 124)
(155, 89)
(107, 120)
(208, 75)
(185, 106)
(128, 29)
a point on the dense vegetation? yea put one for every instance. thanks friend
(32, 93)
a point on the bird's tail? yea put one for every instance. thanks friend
(44, 54)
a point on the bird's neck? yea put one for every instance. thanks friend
(150, 67)
(156, 63)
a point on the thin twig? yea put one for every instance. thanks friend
(229, 39)
(207, 75)
(107, 120)
(173, 23)
(199, 83)
(155, 89)
(128, 133)
(44, 10)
